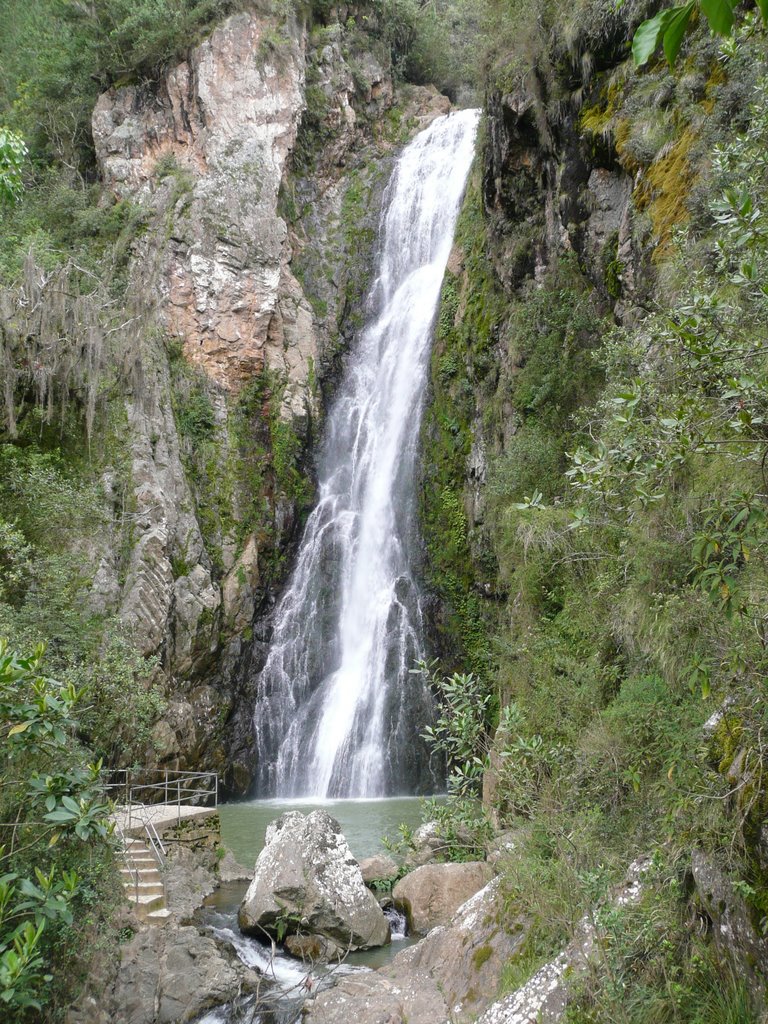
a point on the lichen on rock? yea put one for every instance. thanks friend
(307, 882)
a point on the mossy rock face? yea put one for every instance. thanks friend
(665, 190)
(733, 931)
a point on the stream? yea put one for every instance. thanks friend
(243, 825)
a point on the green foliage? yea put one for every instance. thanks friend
(625, 509)
(668, 27)
(461, 733)
(123, 703)
(12, 155)
(241, 464)
(43, 584)
(61, 218)
(461, 358)
(49, 506)
(654, 969)
(54, 820)
(195, 417)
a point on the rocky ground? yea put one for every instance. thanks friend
(311, 897)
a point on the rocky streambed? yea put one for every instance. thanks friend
(312, 929)
(310, 919)
(319, 936)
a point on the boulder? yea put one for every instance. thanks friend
(431, 895)
(231, 871)
(167, 976)
(379, 868)
(314, 948)
(307, 881)
(449, 975)
(427, 844)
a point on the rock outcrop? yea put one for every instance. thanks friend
(209, 144)
(203, 151)
(168, 976)
(544, 998)
(449, 975)
(431, 895)
(733, 930)
(307, 882)
(258, 227)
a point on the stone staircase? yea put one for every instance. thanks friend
(143, 882)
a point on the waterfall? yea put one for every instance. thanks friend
(337, 712)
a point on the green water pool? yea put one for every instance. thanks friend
(364, 822)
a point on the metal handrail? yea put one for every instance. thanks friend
(171, 787)
(155, 842)
(133, 871)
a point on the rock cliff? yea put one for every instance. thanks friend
(207, 147)
(257, 165)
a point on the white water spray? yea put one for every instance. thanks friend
(337, 712)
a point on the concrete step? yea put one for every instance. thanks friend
(157, 917)
(144, 874)
(143, 883)
(147, 901)
(144, 887)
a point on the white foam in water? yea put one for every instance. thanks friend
(286, 973)
(219, 1016)
(337, 712)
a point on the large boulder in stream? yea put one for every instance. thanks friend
(431, 895)
(307, 882)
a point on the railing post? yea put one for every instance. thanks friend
(178, 801)
(166, 787)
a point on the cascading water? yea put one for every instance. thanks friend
(337, 712)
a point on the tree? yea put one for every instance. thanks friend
(13, 153)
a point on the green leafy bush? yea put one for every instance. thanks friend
(53, 826)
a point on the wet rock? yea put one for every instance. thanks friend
(167, 976)
(232, 871)
(432, 894)
(379, 868)
(306, 880)
(190, 877)
(449, 975)
(609, 198)
(314, 948)
(732, 929)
